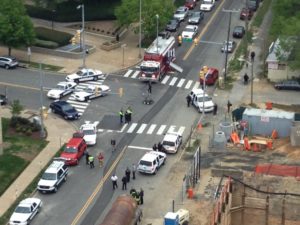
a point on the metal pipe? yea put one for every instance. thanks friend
(42, 133)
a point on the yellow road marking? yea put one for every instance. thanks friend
(203, 31)
(19, 86)
(98, 187)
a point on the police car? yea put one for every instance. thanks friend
(89, 130)
(85, 75)
(171, 142)
(90, 92)
(61, 89)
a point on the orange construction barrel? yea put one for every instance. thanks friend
(270, 144)
(190, 193)
(269, 105)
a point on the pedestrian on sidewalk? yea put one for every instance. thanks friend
(114, 180)
(141, 194)
(121, 114)
(124, 182)
(91, 161)
(127, 174)
(228, 106)
(101, 159)
(133, 171)
(246, 78)
(215, 109)
(188, 100)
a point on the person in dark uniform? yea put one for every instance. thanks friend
(228, 106)
(124, 182)
(149, 87)
(188, 100)
(127, 174)
(154, 147)
(215, 109)
(246, 78)
(159, 147)
(133, 171)
(141, 194)
(87, 155)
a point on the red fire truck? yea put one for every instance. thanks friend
(158, 59)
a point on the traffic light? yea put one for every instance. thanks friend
(73, 41)
(121, 92)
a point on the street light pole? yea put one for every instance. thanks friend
(42, 134)
(53, 13)
(140, 31)
(82, 34)
(251, 93)
(157, 17)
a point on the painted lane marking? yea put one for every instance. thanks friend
(197, 85)
(181, 130)
(128, 73)
(132, 127)
(181, 82)
(123, 128)
(79, 103)
(188, 85)
(138, 147)
(165, 79)
(142, 128)
(136, 73)
(161, 129)
(173, 81)
(151, 129)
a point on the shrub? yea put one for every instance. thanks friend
(61, 38)
(46, 44)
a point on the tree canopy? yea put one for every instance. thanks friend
(286, 24)
(128, 13)
(16, 28)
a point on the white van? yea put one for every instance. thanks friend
(151, 162)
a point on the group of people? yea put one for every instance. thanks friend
(158, 147)
(138, 196)
(89, 159)
(127, 115)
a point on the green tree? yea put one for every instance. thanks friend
(286, 24)
(16, 108)
(16, 28)
(128, 14)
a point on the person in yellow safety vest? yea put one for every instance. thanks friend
(179, 40)
(196, 41)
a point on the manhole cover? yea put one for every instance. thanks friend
(110, 122)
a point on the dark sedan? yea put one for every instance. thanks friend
(172, 25)
(64, 109)
(238, 32)
(196, 17)
(288, 85)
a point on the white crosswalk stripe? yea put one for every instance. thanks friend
(151, 129)
(161, 129)
(181, 82)
(128, 73)
(135, 74)
(173, 81)
(188, 85)
(132, 127)
(165, 80)
(142, 128)
(196, 85)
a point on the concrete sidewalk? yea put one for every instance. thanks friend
(52, 125)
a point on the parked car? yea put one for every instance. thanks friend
(189, 32)
(151, 162)
(253, 4)
(172, 25)
(53, 177)
(85, 75)
(201, 101)
(8, 62)
(90, 92)
(181, 13)
(212, 75)
(62, 89)
(64, 109)
(191, 4)
(89, 130)
(246, 13)
(207, 5)
(171, 142)
(238, 32)
(231, 46)
(3, 99)
(196, 17)
(74, 150)
(288, 85)
(26, 210)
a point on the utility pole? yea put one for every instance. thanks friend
(82, 34)
(42, 134)
(228, 34)
(140, 31)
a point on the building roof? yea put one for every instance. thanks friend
(276, 53)
(269, 113)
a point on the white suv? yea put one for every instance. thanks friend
(151, 162)
(171, 142)
(54, 175)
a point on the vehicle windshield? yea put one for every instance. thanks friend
(70, 150)
(206, 99)
(147, 69)
(189, 29)
(49, 176)
(238, 29)
(168, 143)
(195, 14)
(88, 132)
(180, 12)
(60, 87)
(79, 73)
(145, 163)
(89, 90)
(172, 22)
(67, 107)
(22, 209)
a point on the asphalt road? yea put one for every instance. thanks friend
(68, 205)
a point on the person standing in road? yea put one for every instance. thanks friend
(114, 180)
(121, 114)
(127, 174)
(133, 171)
(101, 159)
(129, 111)
(149, 87)
(91, 161)
(155, 147)
(188, 100)
(124, 182)
(87, 155)
(141, 194)
(126, 117)
(159, 147)
(215, 109)
(228, 106)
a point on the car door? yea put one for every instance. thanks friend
(2, 61)
(59, 110)
(33, 210)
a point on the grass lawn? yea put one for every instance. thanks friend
(19, 150)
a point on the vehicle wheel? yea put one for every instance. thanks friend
(65, 117)
(6, 67)
(55, 189)
(155, 171)
(76, 81)
(86, 99)
(95, 78)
